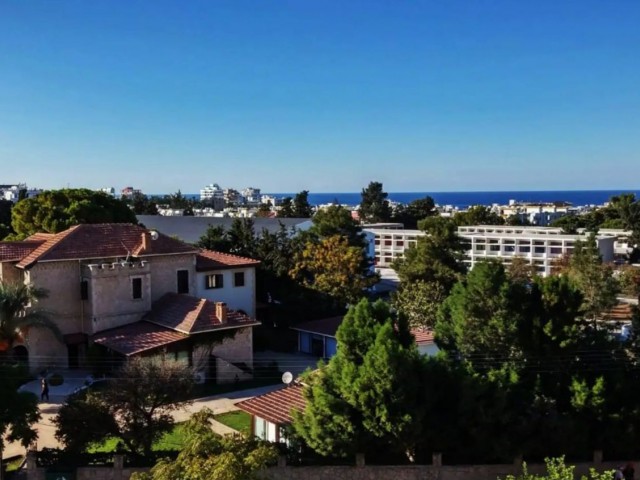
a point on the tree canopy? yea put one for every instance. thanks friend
(56, 210)
(18, 410)
(437, 256)
(374, 206)
(333, 267)
(135, 408)
(366, 399)
(16, 318)
(409, 215)
(206, 455)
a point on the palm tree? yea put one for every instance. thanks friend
(17, 315)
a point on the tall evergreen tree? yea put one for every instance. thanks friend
(301, 206)
(374, 206)
(367, 398)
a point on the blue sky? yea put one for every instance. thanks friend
(321, 95)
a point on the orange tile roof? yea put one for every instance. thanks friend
(423, 335)
(210, 260)
(40, 237)
(137, 338)
(14, 251)
(276, 407)
(105, 240)
(190, 315)
(621, 312)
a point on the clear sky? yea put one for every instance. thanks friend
(321, 95)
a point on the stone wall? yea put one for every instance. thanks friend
(355, 472)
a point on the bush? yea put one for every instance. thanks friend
(56, 380)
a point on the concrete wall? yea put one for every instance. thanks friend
(362, 472)
(236, 298)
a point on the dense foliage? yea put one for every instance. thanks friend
(207, 455)
(56, 210)
(366, 397)
(136, 407)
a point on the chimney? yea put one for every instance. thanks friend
(146, 241)
(221, 311)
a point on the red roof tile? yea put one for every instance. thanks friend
(276, 407)
(137, 338)
(106, 240)
(15, 251)
(621, 313)
(423, 335)
(190, 315)
(210, 260)
(40, 237)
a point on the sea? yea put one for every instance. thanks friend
(465, 199)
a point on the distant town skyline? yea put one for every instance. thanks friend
(321, 95)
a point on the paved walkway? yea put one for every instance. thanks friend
(221, 403)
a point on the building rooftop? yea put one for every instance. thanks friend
(106, 240)
(209, 260)
(276, 407)
(190, 315)
(137, 338)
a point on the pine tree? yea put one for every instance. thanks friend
(367, 398)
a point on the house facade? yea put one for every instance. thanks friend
(105, 277)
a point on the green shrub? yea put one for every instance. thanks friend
(558, 470)
(56, 379)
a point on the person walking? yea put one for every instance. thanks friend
(44, 392)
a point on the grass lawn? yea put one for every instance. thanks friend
(172, 440)
(238, 420)
(13, 464)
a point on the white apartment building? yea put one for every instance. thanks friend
(390, 243)
(251, 195)
(211, 191)
(540, 246)
(12, 192)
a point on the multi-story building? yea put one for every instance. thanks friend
(251, 195)
(389, 244)
(540, 246)
(12, 192)
(129, 192)
(134, 292)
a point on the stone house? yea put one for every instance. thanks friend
(135, 292)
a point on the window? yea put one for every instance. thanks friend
(238, 279)
(84, 290)
(183, 281)
(213, 281)
(136, 288)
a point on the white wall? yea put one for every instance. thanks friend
(236, 298)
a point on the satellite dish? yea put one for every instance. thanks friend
(154, 235)
(287, 378)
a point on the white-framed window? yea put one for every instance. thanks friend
(215, 280)
(238, 279)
